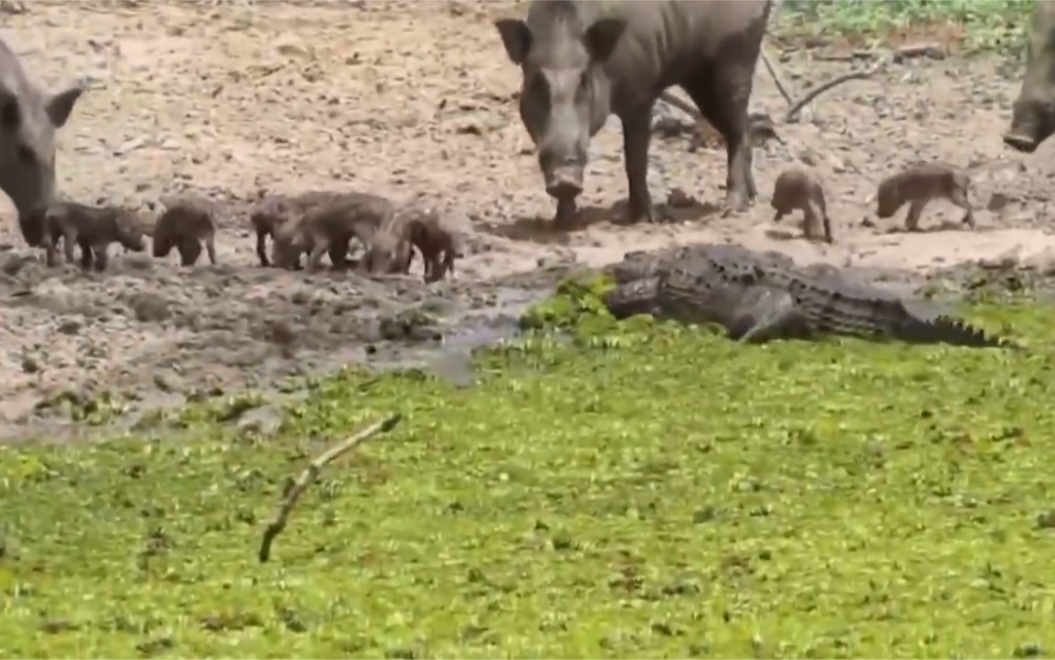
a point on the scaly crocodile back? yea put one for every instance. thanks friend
(699, 282)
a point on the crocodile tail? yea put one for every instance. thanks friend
(948, 330)
(637, 297)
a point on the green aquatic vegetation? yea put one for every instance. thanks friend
(647, 489)
(574, 299)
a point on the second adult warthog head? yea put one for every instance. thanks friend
(565, 93)
(1033, 112)
(29, 120)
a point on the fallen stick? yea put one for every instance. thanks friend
(794, 110)
(776, 79)
(845, 57)
(310, 474)
(912, 51)
(899, 55)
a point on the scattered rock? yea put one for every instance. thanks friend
(150, 308)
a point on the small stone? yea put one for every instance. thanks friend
(30, 365)
(70, 327)
(679, 199)
(149, 307)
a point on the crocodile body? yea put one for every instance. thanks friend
(758, 296)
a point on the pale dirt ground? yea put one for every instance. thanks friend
(409, 98)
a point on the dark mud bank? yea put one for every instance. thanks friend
(216, 333)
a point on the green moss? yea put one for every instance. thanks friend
(575, 298)
(661, 492)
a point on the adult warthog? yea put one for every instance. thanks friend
(582, 61)
(29, 118)
(1033, 112)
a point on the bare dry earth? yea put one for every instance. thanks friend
(408, 98)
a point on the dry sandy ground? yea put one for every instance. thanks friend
(411, 98)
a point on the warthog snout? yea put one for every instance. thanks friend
(563, 177)
(1022, 143)
(1032, 122)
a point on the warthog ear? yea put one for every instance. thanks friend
(601, 37)
(60, 105)
(516, 37)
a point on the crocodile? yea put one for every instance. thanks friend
(759, 296)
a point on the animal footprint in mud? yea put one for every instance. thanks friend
(998, 202)
(149, 308)
(281, 334)
(409, 325)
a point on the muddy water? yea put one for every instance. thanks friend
(450, 358)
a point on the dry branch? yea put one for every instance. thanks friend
(845, 57)
(912, 51)
(776, 79)
(797, 107)
(310, 474)
(897, 56)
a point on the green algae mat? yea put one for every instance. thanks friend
(634, 489)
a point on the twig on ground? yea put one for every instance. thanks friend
(907, 52)
(310, 474)
(912, 51)
(797, 107)
(898, 55)
(776, 79)
(845, 57)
